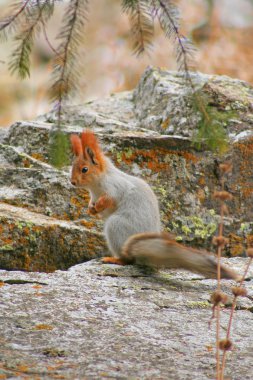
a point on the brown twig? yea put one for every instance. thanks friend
(231, 318)
(220, 234)
(47, 39)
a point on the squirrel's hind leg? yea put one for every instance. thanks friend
(117, 230)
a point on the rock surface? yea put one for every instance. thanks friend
(146, 133)
(34, 241)
(42, 217)
(98, 321)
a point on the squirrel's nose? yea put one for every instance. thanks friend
(73, 182)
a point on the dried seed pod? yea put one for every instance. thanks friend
(222, 195)
(221, 241)
(239, 291)
(226, 167)
(218, 297)
(249, 252)
(225, 345)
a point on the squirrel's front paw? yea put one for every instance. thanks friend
(105, 203)
(92, 209)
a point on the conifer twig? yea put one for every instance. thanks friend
(47, 39)
(142, 24)
(65, 73)
(66, 76)
(20, 62)
(168, 17)
(8, 21)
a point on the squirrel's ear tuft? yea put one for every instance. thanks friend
(76, 145)
(92, 149)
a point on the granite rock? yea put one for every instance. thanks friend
(146, 133)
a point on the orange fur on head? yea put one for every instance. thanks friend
(90, 141)
(76, 145)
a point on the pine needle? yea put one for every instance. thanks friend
(142, 24)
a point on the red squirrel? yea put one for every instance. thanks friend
(131, 212)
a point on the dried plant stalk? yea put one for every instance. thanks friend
(225, 344)
(219, 250)
(238, 291)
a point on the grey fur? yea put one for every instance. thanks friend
(137, 207)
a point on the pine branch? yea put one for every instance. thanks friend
(168, 16)
(142, 24)
(66, 73)
(35, 17)
(20, 62)
(9, 24)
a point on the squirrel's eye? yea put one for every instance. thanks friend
(84, 169)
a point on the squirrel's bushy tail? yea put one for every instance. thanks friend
(161, 251)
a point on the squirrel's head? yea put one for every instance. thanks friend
(89, 163)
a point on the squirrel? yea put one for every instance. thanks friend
(131, 212)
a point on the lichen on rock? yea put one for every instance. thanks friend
(146, 133)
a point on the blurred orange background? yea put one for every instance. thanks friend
(222, 34)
